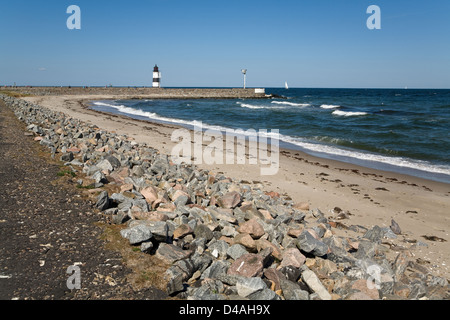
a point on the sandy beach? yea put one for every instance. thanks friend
(368, 197)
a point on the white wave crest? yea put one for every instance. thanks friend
(253, 106)
(329, 106)
(349, 113)
(292, 104)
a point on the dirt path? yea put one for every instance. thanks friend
(47, 226)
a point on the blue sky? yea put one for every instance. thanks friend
(198, 43)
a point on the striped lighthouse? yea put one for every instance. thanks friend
(156, 77)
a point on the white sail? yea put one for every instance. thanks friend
(286, 85)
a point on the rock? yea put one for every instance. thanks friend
(159, 229)
(313, 282)
(115, 163)
(202, 231)
(250, 285)
(275, 250)
(399, 266)
(103, 201)
(246, 240)
(291, 273)
(358, 296)
(219, 249)
(99, 177)
(264, 295)
(104, 165)
(293, 291)
(67, 157)
(182, 231)
(222, 214)
(137, 234)
(366, 250)
(215, 269)
(395, 227)
(146, 247)
(275, 277)
(174, 278)
(248, 265)
(362, 286)
(304, 206)
(126, 187)
(236, 251)
(375, 234)
(120, 217)
(230, 200)
(150, 194)
(253, 228)
(307, 243)
(170, 253)
(292, 257)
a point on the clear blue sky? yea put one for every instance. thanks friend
(313, 43)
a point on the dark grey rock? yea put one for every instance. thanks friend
(307, 243)
(264, 295)
(395, 227)
(202, 231)
(67, 157)
(103, 201)
(115, 163)
(366, 250)
(293, 291)
(216, 268)
(375, 234)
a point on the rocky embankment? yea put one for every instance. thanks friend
(225, 238)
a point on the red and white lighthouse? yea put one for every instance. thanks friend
(156, 77)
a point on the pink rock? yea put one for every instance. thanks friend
(126, 187)
(253, 228)
(182, 231)
(248, 265)
(150, 194)
(246, 240)
(262, 244)
(229, 200)
(304, 206)
(292, 257)
(362, 286)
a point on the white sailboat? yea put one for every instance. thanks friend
(286, 85)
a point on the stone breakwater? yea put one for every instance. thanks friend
(142, 93)
(224, 238)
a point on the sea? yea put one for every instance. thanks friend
(399, 130)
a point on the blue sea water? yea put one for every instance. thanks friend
(406, 131)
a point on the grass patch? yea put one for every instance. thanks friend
(148, 271)
(14, 94)
(89, 187)
(62, 173)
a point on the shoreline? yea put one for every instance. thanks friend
(369, 196)
(377, 165)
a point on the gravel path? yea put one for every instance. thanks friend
(46, 227)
